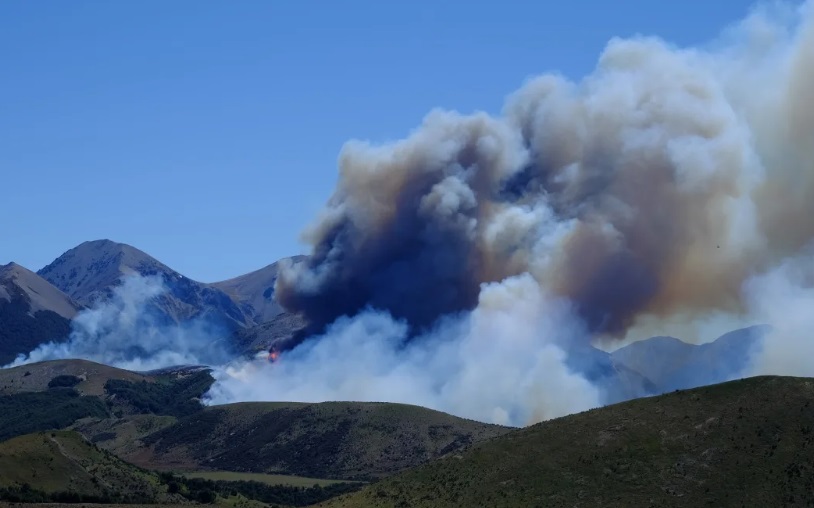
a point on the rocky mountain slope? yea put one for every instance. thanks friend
(90, 271)
(32, 311)
(254, 292)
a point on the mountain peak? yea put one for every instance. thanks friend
(91, 268)
(90, 271)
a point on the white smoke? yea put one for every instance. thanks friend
(500, 363)
(784, 297)
(123, 331)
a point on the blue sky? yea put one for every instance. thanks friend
(206, 132)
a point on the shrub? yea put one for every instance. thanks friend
(64, 381)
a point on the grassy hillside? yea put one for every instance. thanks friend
(172, 394)
(113, 406)
(122, 436)
(35, 377)
(340, 440)
(268, 479)
(63, 466)
(743, 443)
(55, 408)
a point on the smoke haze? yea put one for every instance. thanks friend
(125, 332)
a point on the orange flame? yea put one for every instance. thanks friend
(274, 356)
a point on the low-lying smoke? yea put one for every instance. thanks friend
(500, 363)
(669, 190)
(123, 331)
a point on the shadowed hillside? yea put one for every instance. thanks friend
(64, 467)
(742, 443)
(346, 440)
(32, 311)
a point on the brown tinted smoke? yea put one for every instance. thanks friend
(652, 188)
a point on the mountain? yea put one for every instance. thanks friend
(254, 292)
(671, 364)
(617, 382)
(32, 311)
(283, 331)
(89, 272)
(742, 443)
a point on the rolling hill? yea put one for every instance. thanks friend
(155, 420)
(338, 440)
(62, 466)
(58, 394)
(34, 377)
(741, 443)
(32, 311)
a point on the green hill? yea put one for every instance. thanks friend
(341, 440)
(56, 408)
(62, 466)
(35, 377)
(58, 394)
(743, 443)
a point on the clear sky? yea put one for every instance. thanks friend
(206, 132)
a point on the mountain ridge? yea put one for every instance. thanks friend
(90, 271)
(255, 291)
(32, 312)
(42, 294)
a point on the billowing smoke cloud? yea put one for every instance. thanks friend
(652, 188)
(670, 190)
(500, 363)
(125, 332)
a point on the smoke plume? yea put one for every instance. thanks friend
(123, 331)
(656, 186)
(460, 268)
